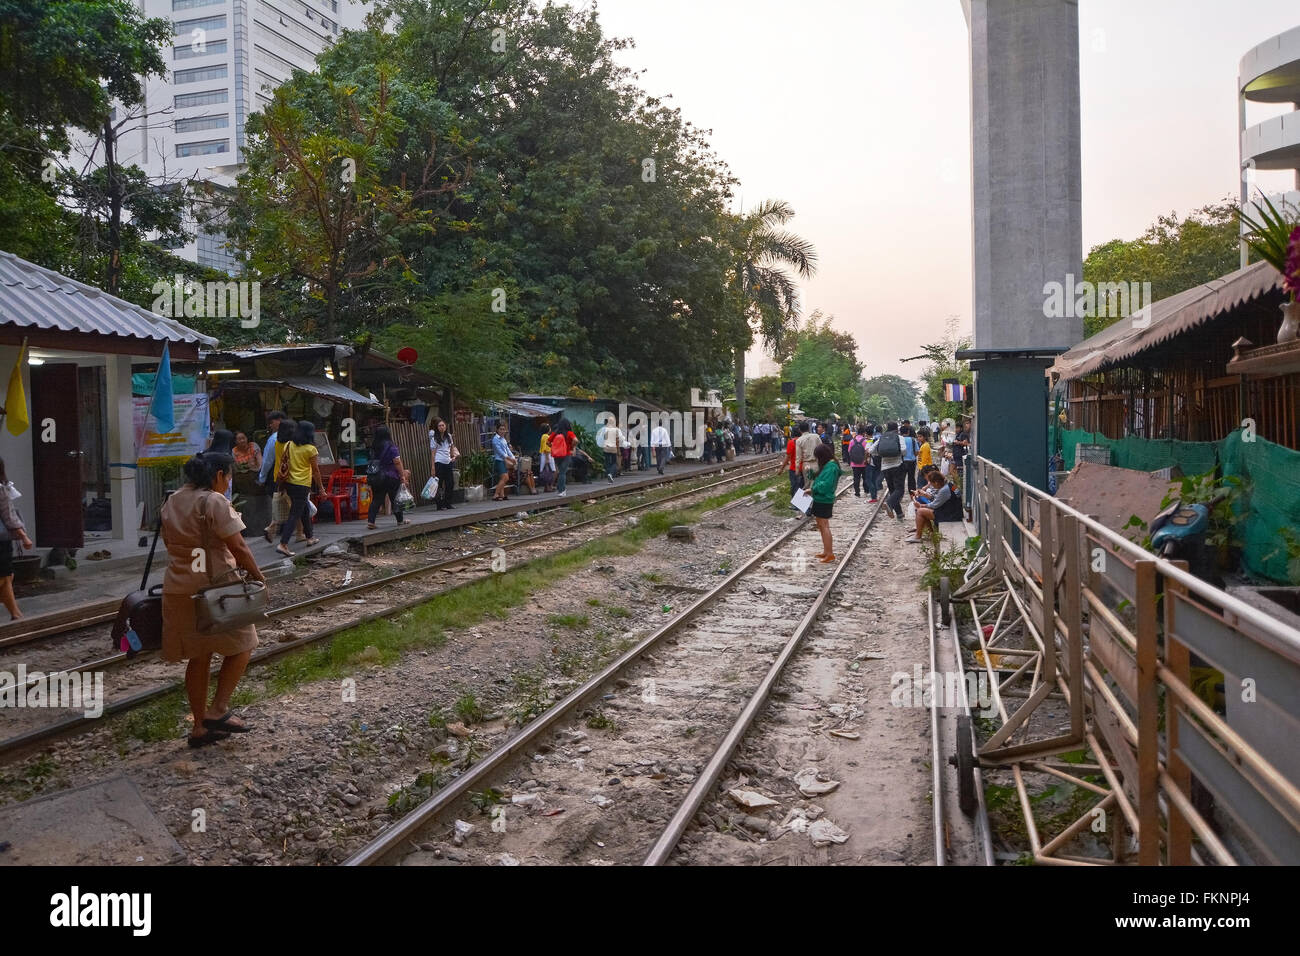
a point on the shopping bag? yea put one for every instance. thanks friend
(404, 498)
(430, 489)
(280, 506)
(802, 500)
(311, 509)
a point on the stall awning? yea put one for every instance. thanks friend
(1169, 317)
(321, 387)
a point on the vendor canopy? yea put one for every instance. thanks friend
(1166, 319)
(320, 387)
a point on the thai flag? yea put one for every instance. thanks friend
(954, 392)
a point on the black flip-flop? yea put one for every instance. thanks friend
(211, 737)
(222, 724)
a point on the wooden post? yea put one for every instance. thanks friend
(1068, 526)
(1148, 718)
(1047, 565)
(1178, 661)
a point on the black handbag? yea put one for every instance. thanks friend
(224, 607)
(138, 626)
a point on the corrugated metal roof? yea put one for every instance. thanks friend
(283, 351)
(528, 409)
(32, 296)
(313, 386)
(1169, 317)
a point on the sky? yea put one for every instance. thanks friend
(858, 114)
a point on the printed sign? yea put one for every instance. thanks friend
(188, 438)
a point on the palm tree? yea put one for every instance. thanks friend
(768, 297)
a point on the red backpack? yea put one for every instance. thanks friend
(559, 445)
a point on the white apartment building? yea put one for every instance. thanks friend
(225, 58)
(1268, 84)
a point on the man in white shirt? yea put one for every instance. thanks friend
(805, 460)
(661, 443)
(610, 438)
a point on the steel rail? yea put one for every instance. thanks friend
(57, 629)
(377, 851)
(62, 728)
(287, 610)
(937, 759)
(717, 764)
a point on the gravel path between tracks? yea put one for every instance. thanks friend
(873, 627)
(322, 774)
(600, 790)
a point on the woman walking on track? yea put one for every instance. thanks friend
(823, 493)
(445, 454)
(299, 470)
(13, 529)
(280, 497)
(385, 453)
(198, 520)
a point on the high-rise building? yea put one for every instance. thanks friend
(225, 58)
(1269, 77)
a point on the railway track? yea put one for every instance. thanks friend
(703, 677)
(92, 614)
(524, 550)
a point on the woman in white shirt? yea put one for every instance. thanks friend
(444, 452)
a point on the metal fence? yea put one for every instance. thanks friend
(1186, 697)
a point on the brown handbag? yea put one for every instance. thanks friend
(224, 607)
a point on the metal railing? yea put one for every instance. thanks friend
(1186, 697)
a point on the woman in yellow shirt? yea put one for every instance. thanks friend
(924, 455)
(300, 473)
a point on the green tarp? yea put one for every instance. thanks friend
(1270, 473)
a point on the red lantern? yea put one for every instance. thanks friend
(407, 355)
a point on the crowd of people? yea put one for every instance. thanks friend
(924, 461)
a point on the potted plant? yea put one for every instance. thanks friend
(1277, 241)
(475, 469)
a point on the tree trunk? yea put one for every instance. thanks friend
(113, 277)
(740, 385)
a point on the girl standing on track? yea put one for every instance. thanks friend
(13, 529)
(199, 519)
(445, 454)
(823, 493)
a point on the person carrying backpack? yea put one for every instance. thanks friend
(910, 446)
(890, 450)
(857, 456)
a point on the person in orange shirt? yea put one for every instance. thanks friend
(924, 454)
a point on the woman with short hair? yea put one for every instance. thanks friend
(205, 545)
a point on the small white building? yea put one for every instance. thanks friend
(80, 448)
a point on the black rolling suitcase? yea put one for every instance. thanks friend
(139, 619)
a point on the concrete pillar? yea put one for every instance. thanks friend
(121, 446)
(1027, 226)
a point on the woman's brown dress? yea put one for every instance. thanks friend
(182, 532)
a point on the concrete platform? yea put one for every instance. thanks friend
(101, 824)
(98, 587)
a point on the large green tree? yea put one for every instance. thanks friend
(1173, 255)
(898, 395)
(77, 68)
(825, 370)
(597, 211)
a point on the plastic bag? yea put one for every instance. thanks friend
(311, 508)
(404, 498)
(430, 489)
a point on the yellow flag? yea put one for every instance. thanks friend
(16, 419)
